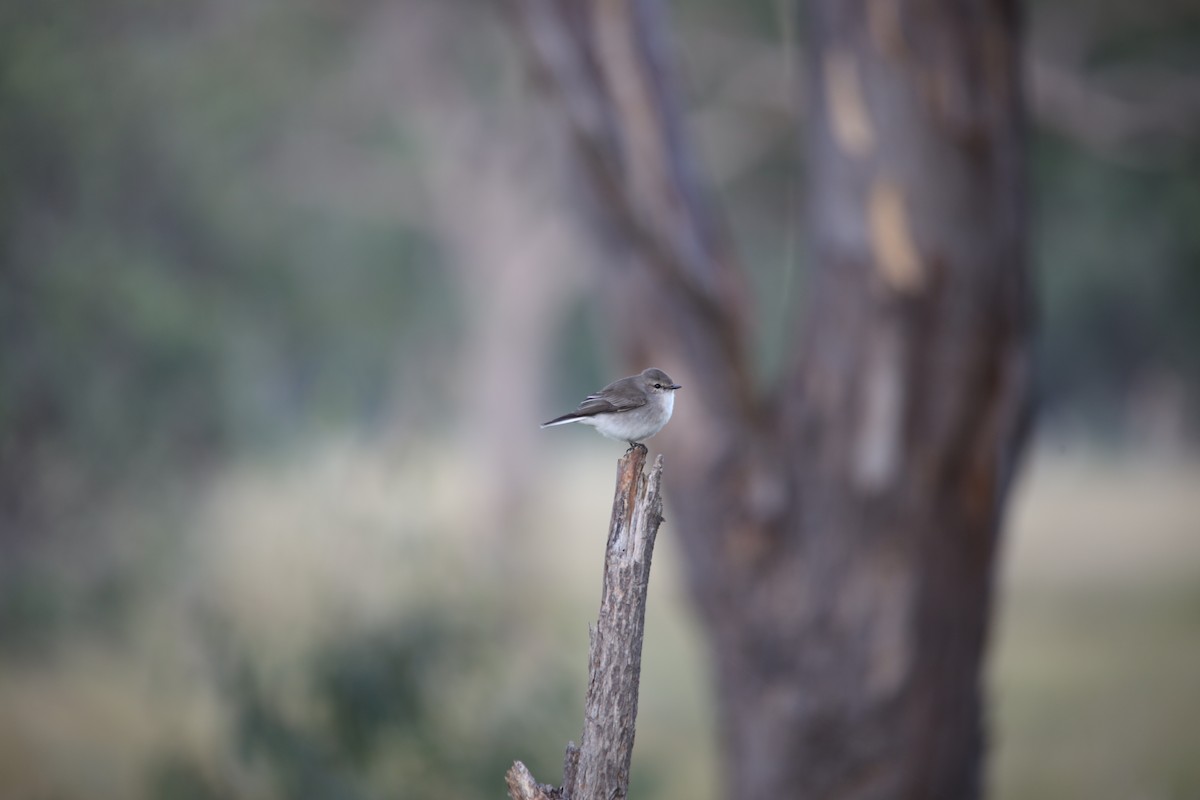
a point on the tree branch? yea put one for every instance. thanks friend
(1154, 129)
(607, 64)
(599, 768)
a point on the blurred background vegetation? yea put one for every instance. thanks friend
(285, 289)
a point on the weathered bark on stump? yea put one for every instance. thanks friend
(598, 769)
(840, 528)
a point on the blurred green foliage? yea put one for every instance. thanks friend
(424, 707)
(1118, 250)
(161, 298)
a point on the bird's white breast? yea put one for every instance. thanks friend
(639, 423)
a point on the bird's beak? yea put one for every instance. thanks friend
(674, 386)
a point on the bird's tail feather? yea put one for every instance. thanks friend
(563, 420)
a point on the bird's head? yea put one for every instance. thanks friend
(655, 381)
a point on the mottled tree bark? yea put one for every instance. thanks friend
(840, 528)
(598, 769)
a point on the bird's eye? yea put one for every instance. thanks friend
(658, 386)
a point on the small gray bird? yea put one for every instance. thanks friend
(629, 410)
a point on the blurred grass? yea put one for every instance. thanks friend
(1095, 676)
(349, 624)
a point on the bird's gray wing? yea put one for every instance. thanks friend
(596, 404)
(611, 399)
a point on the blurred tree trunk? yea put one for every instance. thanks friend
(840, 529)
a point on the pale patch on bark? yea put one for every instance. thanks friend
(997, 57)
(848, 115)
(878, 604)
(621, 64)
(883, 23)
(878, 449)
(892, 243)
(890, 638)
